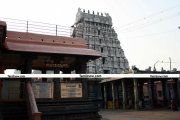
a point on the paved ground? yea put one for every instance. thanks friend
(140, 115)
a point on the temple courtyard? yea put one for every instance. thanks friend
(140, 115)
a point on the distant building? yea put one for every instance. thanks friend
(155, 91)
(97, 30)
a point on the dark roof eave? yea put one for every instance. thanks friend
(12, 46)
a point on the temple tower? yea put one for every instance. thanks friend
(100, 35)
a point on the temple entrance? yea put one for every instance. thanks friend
(46, 98)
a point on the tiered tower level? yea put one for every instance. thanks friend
(100, 35)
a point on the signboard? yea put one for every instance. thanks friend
(71, 90)
(57, 65)
(43, 90)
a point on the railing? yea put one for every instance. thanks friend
(34, 114)
(37, 27)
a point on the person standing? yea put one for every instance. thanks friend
(173, 105)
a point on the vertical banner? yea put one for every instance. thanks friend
(71, 90)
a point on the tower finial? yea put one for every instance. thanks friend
(79, 9)
(97, 13)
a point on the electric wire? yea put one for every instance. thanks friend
(147, 17)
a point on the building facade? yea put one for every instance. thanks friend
(100, 35)
(42, 98)
(141, 93)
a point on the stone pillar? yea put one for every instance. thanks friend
(43, 71)
(124, 93)
(165, 92)
(99, 92)
(26, 69)
(2, 69)
(175, 89)
(1, 81)
(178, 91)
(151, 92)
(81, 69)
(113, 95)
(136, 98)
(56, 85)
(28, 65)
(141, 92)
(81, 66)
(105, 96)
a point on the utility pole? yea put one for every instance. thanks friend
(170, 63)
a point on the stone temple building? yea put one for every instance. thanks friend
(97, 29)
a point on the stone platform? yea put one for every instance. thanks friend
(140, 115)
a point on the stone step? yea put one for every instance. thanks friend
(1, 118)
(68, 110)
(14, 111)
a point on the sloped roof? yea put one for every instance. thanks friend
(2, 23)
(30, 42)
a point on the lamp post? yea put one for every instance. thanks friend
(170, 64)
(155, 65)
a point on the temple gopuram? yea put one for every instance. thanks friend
(44, 98)
(97, 30)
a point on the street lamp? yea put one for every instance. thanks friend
(155, 65)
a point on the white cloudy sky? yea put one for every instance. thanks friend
(147, 29)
